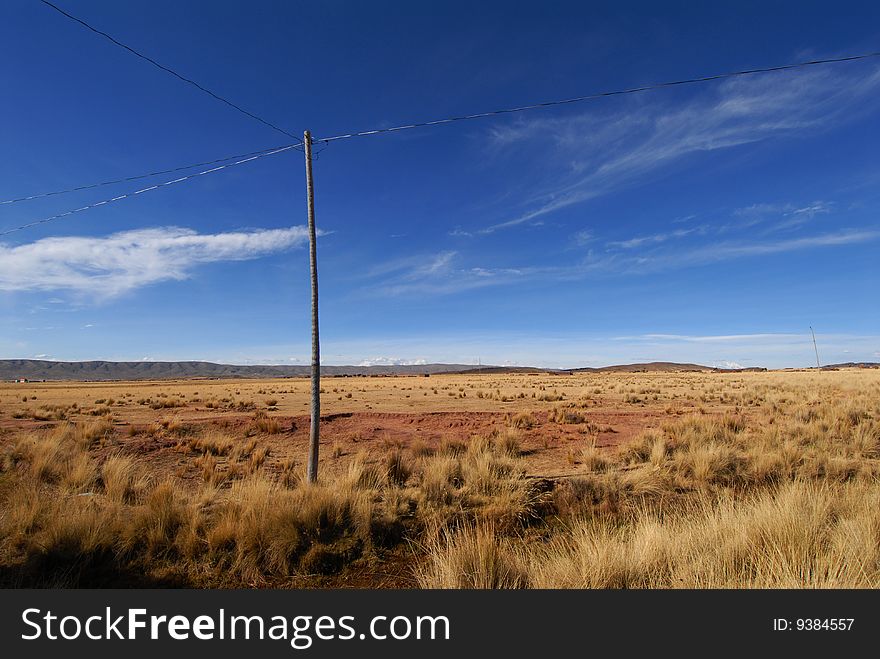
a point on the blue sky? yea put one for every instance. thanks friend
(711, 223)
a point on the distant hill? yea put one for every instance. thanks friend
(854, 365)
(35, 369)
(492, 370)
(649, 367)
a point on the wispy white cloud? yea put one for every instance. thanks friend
(797, 217)
(666, 259)
(776, 216)
(392, 361)
(726, 363)
(614, 151)
(770, 349)
(437, 274)
(568, 349)
(583, 237)
(412, 266)
(816, 208)
(437, 265)
(640, 241)
(725, 251)
(716, 338)
(441, 274)
(759, 210)
(108, 266)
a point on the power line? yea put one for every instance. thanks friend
(326, 140)
(589, 97)
(137, 177)
(171, 71)
(152, 187)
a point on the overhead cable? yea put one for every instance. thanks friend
(170, 70)
(136, 177)
(129, 195)
(590, 97)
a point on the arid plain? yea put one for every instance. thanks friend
(667, 479)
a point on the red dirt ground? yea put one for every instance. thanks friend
(546, 446)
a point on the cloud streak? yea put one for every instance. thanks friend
(602, 153)
(640, 241)
(662, 259)
(438, 274)
(710, 338)
(391, 361)
(108, 266)
(569, 349)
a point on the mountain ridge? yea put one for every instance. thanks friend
(102, 370)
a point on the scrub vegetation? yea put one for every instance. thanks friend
(713, 480)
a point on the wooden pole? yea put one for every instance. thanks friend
(814, 347)
(312, 470)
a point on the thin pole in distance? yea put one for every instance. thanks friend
(815, 347)
(312, 469)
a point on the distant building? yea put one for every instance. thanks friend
(21, 380)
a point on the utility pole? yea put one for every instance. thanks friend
(814, 347)
(312, 470)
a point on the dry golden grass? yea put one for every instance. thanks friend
(470, 558)
(798, 534)
(511, 393)
(265, 424)
(256, 531)
(787, 500)
(523, 420)
(745, 480)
